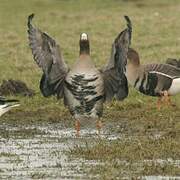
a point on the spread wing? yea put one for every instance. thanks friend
(164, 70)
(47, 54)
(115, 81)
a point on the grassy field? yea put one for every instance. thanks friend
(148, 135)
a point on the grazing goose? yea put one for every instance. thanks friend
(7, 104)
(160, 80)
(84, 88)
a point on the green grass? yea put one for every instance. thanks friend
(156, 36)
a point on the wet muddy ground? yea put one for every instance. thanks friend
(44, 152)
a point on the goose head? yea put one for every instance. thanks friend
(133, 57)
(84, 44)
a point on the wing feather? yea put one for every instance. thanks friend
(166, 69)
(115, 81)
(47, 54)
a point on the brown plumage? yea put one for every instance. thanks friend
(84, 88)
(152, 79)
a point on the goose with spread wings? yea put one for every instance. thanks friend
(84, 88)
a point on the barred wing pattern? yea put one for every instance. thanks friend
(48, 56)
(115, 82)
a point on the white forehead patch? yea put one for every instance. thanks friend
(84, 36)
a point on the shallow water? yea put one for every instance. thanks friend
(161, 178)
(40, 152)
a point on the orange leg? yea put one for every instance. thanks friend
(99, 126)
(167, 99)
(77, 127)
(159, 102)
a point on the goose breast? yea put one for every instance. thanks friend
(84, 92)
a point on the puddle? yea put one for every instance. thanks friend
(161, 178)
(42, 153)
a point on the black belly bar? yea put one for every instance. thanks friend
(84, 93)
(148, 84)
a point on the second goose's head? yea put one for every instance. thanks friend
(84, 44)
(133, 57)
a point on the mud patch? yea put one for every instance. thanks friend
(50, 150)
(43, 151)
